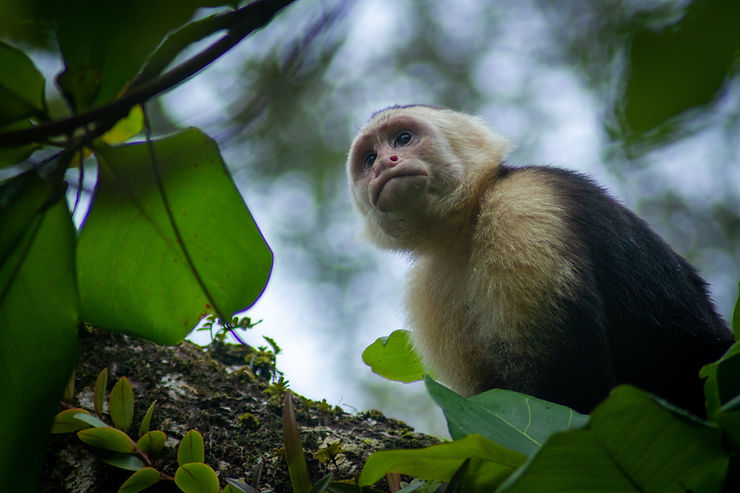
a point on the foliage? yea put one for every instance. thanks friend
(632, 441)
(141, 456)
(149, 259)
(394, 358)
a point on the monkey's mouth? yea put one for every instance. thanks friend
(390, 187)
(398, 178)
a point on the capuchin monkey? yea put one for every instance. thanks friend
(528, 278)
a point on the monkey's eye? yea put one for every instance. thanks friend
(402, 139)
(369, 161)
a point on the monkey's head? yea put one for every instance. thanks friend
(415, 170)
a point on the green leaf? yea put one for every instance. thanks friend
(322, 484)
(127, 462)
(140, 480)
(88, 418)
(148, 286)
(121, 404)
(38, 321)
(196, 477)
(517, 421)
(703, 43)
(393, 357)
(69, 390)
(21, 86)
(632, 443)
(101, 40)
(722, 379)
(236, 486)
(728, 419)
(190, 448)
(101, 385)
(294, 455)
(146, 420)
(107, 438)
(152, 442)
(66, 421)
(126, 127)
(490, 463)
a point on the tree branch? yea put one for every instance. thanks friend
(241, 23)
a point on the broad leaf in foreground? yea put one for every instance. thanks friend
(517, 421)
(136, 273)
(38, 321)
(632, 443)
(489, 463)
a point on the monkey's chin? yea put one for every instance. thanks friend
(401, 193)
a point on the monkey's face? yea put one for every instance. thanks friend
(400, 170)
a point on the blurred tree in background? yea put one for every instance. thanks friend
(642, 95)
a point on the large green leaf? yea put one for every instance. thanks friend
(38, 321)
(133, 271)
(632, 443)
(517, 421)
(105, 42)
(681, 66)
(21, 86)
(393, 357)
(490, 463)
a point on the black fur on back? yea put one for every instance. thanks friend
(643, 315)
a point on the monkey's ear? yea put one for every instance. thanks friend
(394, 358)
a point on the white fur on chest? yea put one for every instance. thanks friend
(456, 323)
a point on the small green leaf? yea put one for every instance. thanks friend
(490, 463)
(66, 421)
(294, 455)
(196, 477)
(91, 420)
(190, 448)
(140, 480)
(107, 438)
(69, 389)
(322, 484)
(127, 462)
(101, 384)
(517, 421)
(393, 357)
(126, 127)
(152, 442)
(121, 404)
(236, 486)
(146, 420)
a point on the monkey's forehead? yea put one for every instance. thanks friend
(385, 114)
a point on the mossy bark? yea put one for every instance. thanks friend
(217, 391)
